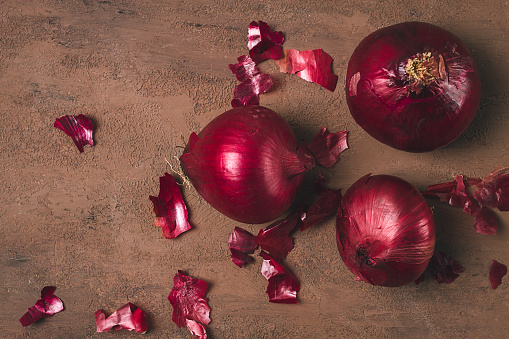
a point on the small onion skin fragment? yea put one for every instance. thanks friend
(385, 231)
(399, 104)
(246, 164)
(497, 272)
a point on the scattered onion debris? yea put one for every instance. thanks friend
(79, 128)
(276, 243)
(313, 65)
(190, 307)
(128, 317)
(252, 82)
(497, 272)
(263, 43)
(442, 268)
(48, 305)
(283, 286)
(275, 238)
(170, 208)
(456, 194)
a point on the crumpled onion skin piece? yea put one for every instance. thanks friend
(497, 272)
(253, 82)
(79, 128)
(444, 268)
(170, 208)
(246, 164)
(486, 221)
(493, 191)
(189, 304)
(275, 239)
(327, 146)
(314, 66)
(48, 305)
(128, 317)
(241, 244)
(385, 231)
(283, 286)
(384, 105)
(263, 43)
(328, 202)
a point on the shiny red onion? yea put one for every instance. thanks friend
(413, 86)
(385, 231)
(246, 164)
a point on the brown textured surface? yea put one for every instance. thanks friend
(150, 72)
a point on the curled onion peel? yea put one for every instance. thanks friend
(78, 127)
(128, 317)
(48, 305)
(246, 164)
(385, 231)
(413, 86)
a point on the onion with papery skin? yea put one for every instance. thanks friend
(385, 231)
(246, 164)
(413, 86)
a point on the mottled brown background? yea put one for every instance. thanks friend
(150, 72)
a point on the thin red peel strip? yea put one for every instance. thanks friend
(170, 208)
(187, 298)
(327, 146)
(264, 43)
(456, 195)
(128, 317)
(497, 272)
(79, 128)
(253, 82)
(48, 305)
(283, 286)
(444, 268)
(493, 191)
(241, 244)
(313, 65)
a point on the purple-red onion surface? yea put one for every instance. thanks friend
(385, 231)
(413, 86)
(246, 164)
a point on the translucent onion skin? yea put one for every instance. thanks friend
(420, 115)
(246, 164)
(385, 231)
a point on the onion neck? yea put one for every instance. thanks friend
(364, 258)
(424, 69)
(295, 163)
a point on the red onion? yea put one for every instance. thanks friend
(385, 231)
(246, 164)
(413, 86)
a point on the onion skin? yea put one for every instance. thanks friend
(382, 101)
(245, 163)
(385, 231)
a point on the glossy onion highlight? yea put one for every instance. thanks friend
(385, 231)
(413, 86)
(246, 164)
